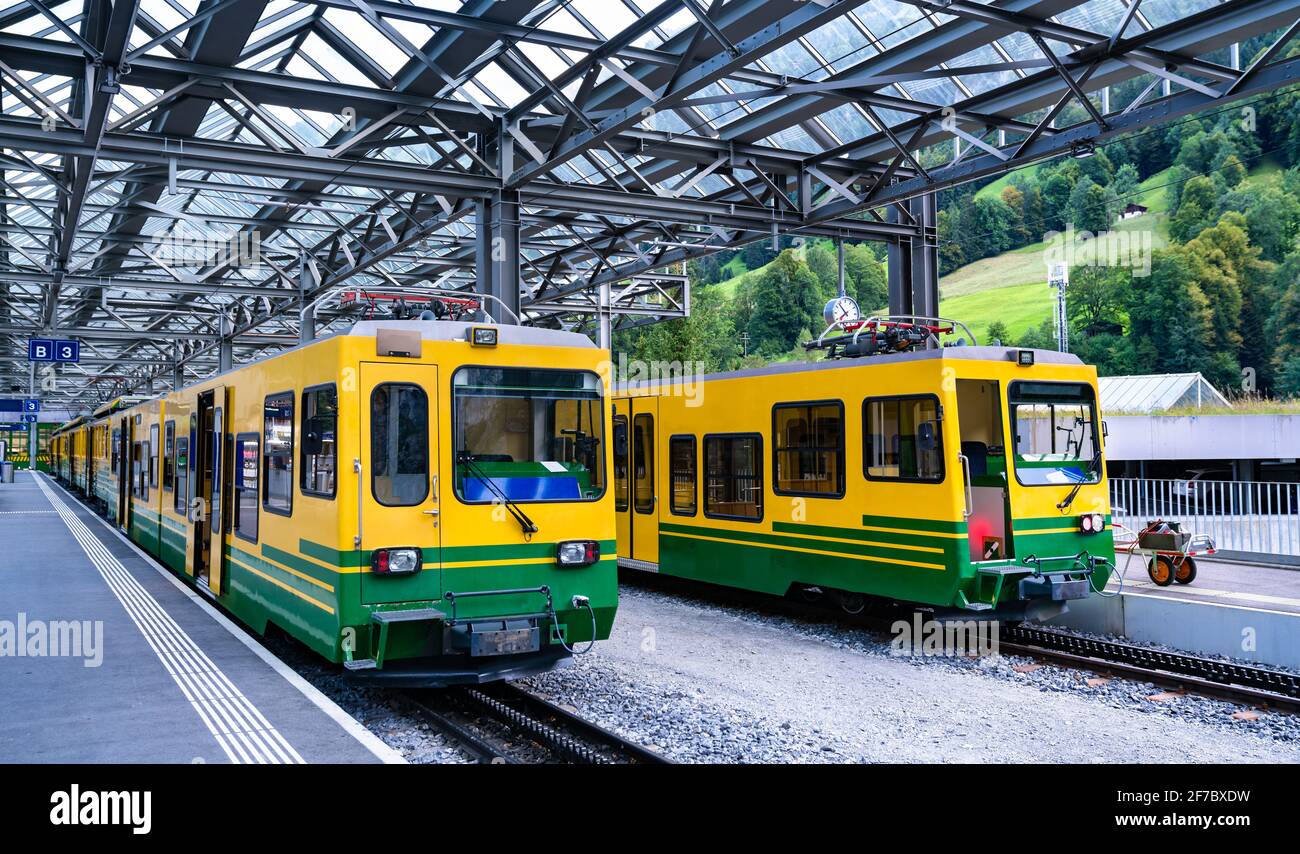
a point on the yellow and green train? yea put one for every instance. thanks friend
(969, 479)
(423, 501)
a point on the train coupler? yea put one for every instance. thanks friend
(1062, 583)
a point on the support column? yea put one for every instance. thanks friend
(306, 317)
(839, 250)
(605, 336)
(33, 430)
(914, 262)
(226, 346)
(496, 252)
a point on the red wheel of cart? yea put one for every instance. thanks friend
(1185, 572)
(1161, 570)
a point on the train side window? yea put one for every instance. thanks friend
(808, 449)
(399, 444)
(319, 452)
(169, 448)
(153, 455)
(139, 470)
(277, 453)
(681, 467)
(643, 463)
(620, 462)
(246, 468)
(902, 439)
(181, 499)
(733, 476)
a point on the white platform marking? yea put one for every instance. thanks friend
(240, 729)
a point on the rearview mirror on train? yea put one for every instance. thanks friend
(926, 436)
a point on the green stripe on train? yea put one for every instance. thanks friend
(447, 554)
(874, 553)
(903, 523)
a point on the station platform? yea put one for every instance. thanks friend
(1274, 587)
(107, 657)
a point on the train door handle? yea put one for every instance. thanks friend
(433, 512)
(968, 496)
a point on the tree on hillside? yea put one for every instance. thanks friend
(707, 336)
(951, 253)
(1196, 209)
(867, 280)
(1232, 171)
(1098, 168)
(787, 299)
(825, 266)
(1090, 207)
(1126, 183)
(1098, 296)
(1015, 202)
(996, 333)
(1171, 322)
(1056, 202)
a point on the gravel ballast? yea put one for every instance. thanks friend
(702, 682)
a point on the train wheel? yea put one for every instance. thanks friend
(1186, 571)
(852, 603)
(1161, 571)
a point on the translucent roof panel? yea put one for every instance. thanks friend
(1157, 392)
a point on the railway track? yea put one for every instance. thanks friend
(1237, 683)
(505, 724)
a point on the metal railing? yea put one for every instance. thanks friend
(1242, 516)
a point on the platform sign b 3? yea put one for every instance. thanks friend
(50, 350)
(40, 350)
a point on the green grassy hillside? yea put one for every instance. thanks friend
(1012, 287)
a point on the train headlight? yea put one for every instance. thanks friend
(1092, 523)
(577, 552)
(395, 561)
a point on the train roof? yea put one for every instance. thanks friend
(457, 330)
(120, 403)
(975, 354)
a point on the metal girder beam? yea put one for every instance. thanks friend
(805, 19)
(1283, 73)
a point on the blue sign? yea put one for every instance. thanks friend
(67, 351)
(30, 417)
(31, 405)
(49, 350)
(13, 426)
(40, 350)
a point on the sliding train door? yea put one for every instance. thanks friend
(396, 467)
(983, 461)
(643, 470)
(211, 481)
(124, 434)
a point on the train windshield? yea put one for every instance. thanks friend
(1055, 426)
(528, 434)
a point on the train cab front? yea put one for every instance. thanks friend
(1034, 488)
(489, 546)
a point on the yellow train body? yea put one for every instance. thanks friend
(760, 479)
(296, 489)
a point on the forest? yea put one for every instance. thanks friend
(1221, 294)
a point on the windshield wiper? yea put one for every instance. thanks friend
(520, 516)
(1087, 478)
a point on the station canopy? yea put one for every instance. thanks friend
(1158, 393)
(183, 182)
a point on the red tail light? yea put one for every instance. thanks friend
(402, 561)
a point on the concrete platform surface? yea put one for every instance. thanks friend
(107, 657)
(1224, 583)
